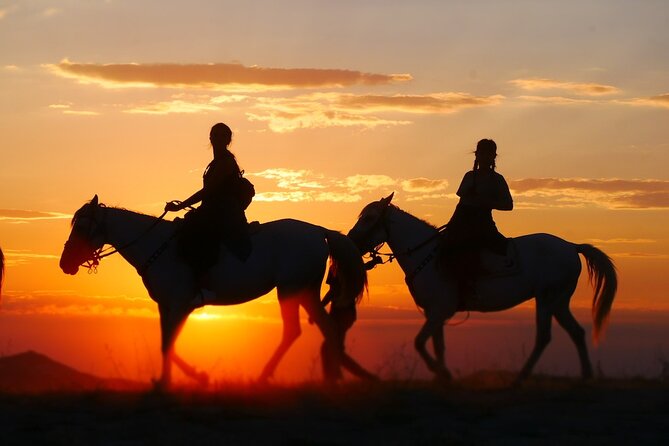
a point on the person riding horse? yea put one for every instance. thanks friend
(471, 228)
(220, 218)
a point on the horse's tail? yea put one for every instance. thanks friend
(347, 270)
(2, 269)
(602, 273)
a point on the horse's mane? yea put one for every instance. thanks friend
(377, 203)
(81, 211)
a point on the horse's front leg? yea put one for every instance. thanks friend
(433, 327)
(171, 323)
(201, 377)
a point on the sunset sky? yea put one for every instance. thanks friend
(332, 105)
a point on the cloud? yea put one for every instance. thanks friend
(308, 196)
(366, 183)
(21, 257)
(320, 110)
(51, 12)
(228, 76)
(319, 117)
(170, 107)
(66, 304)
(653, 101)
(304, 185)
(556, 100)
(579, 192)
(430, 103)
(584, 89)
(67, 109)
(20, 215)
(424, 185)
(621, 241)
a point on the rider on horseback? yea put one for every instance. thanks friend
(220, 217)
(471, 228)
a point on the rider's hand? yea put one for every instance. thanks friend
(172, 206)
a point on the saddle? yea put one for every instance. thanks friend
(491, 266)
(494, 265)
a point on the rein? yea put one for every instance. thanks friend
(375, 254)
(101, 253)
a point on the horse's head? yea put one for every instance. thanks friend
(86, 238)
(370, 229)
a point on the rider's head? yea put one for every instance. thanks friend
(486, 152)
(220, 136)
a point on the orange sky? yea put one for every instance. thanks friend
(333, 104)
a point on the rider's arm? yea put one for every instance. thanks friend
(174, 206)
(503, 200)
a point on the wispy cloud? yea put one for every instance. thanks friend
(21, 257)
(319, 110)
(584, 89)
(229, 76)
(556, 100)
(66, 304)
(429, 103)
(170, 107)
(653, 101)
(67, 109)
(424, 185)
(20, 215)
(621, 241)
(51, 12)
(579, 192)
(303, 185)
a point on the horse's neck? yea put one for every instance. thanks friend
(127, 232)
(407, 236)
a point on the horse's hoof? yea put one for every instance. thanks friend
(443, 377)
(159, 385)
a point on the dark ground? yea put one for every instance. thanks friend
(478, 409)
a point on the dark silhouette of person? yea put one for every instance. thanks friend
(471, 228)
(220, 217)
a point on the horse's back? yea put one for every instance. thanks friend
(548, 258)
(296, 250)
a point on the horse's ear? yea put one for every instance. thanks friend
(94, 201)
(386, 201)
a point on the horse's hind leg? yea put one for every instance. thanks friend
(332, 350)
(544, 317)
(290, 314)
(577, 334)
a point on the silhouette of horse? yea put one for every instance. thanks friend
(290, 255)
(549, 271)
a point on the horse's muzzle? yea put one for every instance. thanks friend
(69, 268)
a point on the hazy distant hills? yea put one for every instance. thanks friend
(32, 372)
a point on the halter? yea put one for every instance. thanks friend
(375, 254)
(102, 252)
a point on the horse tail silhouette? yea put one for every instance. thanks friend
(2, 269)
(348, 269)
(602, 274)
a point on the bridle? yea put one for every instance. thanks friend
(375, 254)
(98, 228)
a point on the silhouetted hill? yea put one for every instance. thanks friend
(32, 372)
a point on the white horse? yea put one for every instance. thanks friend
(549, 271)
(290, 255)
